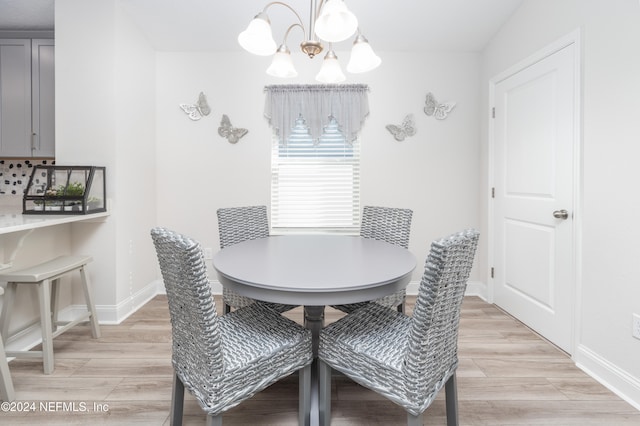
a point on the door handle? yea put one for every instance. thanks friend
(561, 214)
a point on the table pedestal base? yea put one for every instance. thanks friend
(314, 321)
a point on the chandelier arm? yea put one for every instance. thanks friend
(286, 34)
(292, 10)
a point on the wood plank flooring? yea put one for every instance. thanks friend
(507, 376)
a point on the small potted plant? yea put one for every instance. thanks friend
(65, 190)
(72, 189)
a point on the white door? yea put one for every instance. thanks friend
(534, 138)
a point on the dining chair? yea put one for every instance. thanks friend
(392, 225)
(235, 225)
(224, 360)
(405, 359)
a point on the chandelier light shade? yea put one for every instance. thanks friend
(329, 21)
(330, 72)
(363, 58)
(258, 38)
(282, 65)
(336, 22)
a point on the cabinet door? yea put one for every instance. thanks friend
(43, 98)
(15, 97)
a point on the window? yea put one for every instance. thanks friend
(315, 161)
(315, 185)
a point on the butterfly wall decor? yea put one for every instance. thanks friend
(226, 130)
(436, 109)
(407, 128)
(198, 110)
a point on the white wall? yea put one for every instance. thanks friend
(608, 291)
(435, 173)
(135, 162)
(105, 115)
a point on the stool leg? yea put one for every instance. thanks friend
(44, 298)
(7, 307)
(95, 327)
(6, 385)
(55, 297)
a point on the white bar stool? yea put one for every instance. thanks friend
(6, 385)
(46, 276)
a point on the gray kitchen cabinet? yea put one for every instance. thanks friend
(27, 90)
(15, 98)
(43, 98)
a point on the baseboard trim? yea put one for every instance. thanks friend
(115, 314)
(609, 375)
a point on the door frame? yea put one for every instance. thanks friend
(576, 256)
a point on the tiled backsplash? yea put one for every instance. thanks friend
(15, 174)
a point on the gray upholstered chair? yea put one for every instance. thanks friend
(405, 359)
(224, 360)
(235, 225)
(393, 226)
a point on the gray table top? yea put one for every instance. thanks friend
(314, 269)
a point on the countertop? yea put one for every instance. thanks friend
(12, 219)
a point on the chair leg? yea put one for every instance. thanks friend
(324, 393)
(44, 299)
(451, 398)
(7, 307)
(304, 396)
(214, 420)
(414, 420)
(227, 308)
(177, 402)
(55, 297)
(7, 393)
(95, 327)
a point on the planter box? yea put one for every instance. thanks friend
(65, 190)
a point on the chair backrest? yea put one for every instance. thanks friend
(197, 352)
(388, 224)
(432, 347)
(238, 224)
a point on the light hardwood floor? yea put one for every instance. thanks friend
(507, 376)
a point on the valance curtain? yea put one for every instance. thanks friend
(347, 103)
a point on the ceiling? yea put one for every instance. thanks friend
(392, 25)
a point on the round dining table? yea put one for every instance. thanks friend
(314, 271)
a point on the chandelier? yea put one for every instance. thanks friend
(330, 21)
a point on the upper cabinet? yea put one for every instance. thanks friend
(27, 98)
(43, 98)
(15, 97)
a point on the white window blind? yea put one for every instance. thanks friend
(315, 185)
